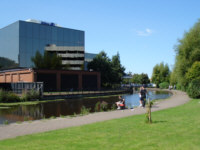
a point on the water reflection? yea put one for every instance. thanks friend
(68, 107)
(132, 100)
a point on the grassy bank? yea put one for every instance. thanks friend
(2, 105)
(172, 129)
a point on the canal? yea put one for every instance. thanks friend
(70, 107)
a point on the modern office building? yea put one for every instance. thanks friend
(19, 41)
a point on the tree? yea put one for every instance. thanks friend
(140, 79)
(6, 63)
(161, 73)
(117, 69)
(38, 60)
(102, 64)
(144, 79)
(47, 61)
(187, 52)
(136, 79)
(111, 70)
(173, 78)
(193, 72)
(194, 88)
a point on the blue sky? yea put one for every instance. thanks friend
(144, 32)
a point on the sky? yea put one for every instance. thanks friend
(143, 32)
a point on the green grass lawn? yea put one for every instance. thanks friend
(172, 129)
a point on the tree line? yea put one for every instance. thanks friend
(186, 71)
(6, 63)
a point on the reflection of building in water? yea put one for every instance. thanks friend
(23, 113)
(73, 56)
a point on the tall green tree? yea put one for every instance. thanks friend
(187, 52)
(161, 73)
(102, 64)
(117, 69)
(140, 79)
(193, 72)
(136, 79)
(145, 79)
(38, 60)
(47, 61)
(111, 70)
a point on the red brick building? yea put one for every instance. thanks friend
(54, 80)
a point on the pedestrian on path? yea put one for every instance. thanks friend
(142, 95)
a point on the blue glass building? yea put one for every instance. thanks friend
(19, 41)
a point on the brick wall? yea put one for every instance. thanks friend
(10, 76)
(54, 79)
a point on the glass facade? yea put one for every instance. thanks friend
(28, 37)
(9, 41)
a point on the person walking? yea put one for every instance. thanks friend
(142, 95)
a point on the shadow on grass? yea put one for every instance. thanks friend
(159, 121)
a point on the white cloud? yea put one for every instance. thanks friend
(146, 32)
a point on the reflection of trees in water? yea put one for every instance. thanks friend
(158, 94)
(35, 111)
(68, 107)
(71, 106)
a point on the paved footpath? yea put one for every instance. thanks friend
(38, 126)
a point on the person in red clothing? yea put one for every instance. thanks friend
(120, 103)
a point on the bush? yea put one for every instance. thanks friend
(2, 95)
(97, 107)
(7, 96)
(164, 85)
(104, 106)
(12, 97)
(30, 95)
(101, 106)
(194, 88)
(85, 111)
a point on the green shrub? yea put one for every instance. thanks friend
(12, 97)
(30, 95)
(194, 88)
(6, 122)
(101, 106)
(113, 107)
(84, 110)
(7, 96)
(97, 107)
(164, 85)
(104, 106)
(2, 95)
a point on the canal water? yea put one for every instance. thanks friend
(69, 107)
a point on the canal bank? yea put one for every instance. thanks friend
(13, 130)
(37, 110)
(78, 94)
